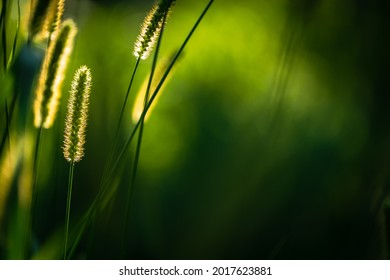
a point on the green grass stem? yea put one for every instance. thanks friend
(7, 125)
(34, 186)
(125, 100)
(8, 115)
(111, 154)
(139, 142)
(83, 225)
(6, 136)
(1, 15)
(36, 159)
(68, 202)
(29, 35)
(4, 32)
(13, 50)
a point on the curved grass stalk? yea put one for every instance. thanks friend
(34, 186)
(4, 32)
(68, 202)
(7, 126)
(125, 100)
(15, 42)
(111, 155)
(8, 117)
(140, 134)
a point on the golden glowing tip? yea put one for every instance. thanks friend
(150, 29)
(77, 115)
(48, 92)
(46, 18)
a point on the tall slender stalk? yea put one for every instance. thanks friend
(36, 158)
(68, 202)
(9, 114)
(75, 129)
(111, 155)
(31, 14)
(142, 119)
(126, 97)
(34, 186)
(140, 133)
(7, 125)
(15, 42)
(1, 15)
(4, 32)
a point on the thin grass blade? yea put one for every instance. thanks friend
(13, 50)
(4, 33)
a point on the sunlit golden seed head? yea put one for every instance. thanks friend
(151, 27)
(48, 91)
(46, 18)
(77, 115)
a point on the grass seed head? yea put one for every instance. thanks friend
(48, 92)
(77, 115)
(151, 27)
(46, 18)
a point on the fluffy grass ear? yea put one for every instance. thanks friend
(74, 134)
(151, 27)
(75, 128)
(52, 74)
(77, 115)
(45, 18)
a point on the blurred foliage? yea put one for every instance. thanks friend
(270, 140)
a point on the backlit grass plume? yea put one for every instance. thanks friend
(45, 18)
(75, 128)
(52, 74)
(76, 118)
(150, 28)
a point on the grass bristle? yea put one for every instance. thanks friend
(77, 115)
(48, 92)
(150, 28)
(46, 18)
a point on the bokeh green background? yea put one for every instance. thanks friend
(270, 140)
